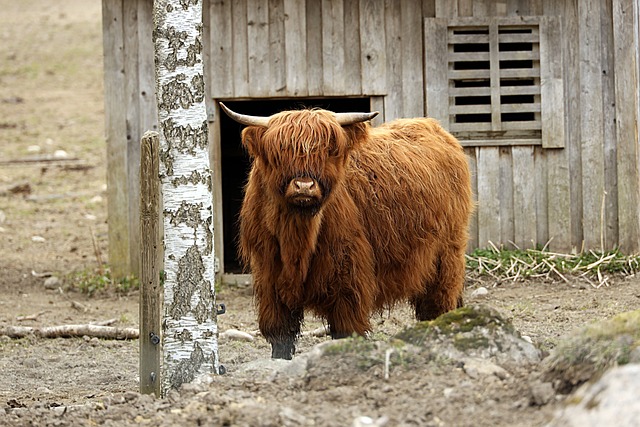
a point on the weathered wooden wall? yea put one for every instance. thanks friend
(585, 194)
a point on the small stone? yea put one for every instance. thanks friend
(90, 217)
(60, 154)
(480, 292)
(52, 283)
(33, 149)
(38, 239)
(541, 393)
(482, 368)
(95, 200)
(131, 395)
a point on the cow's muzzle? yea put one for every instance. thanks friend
(304, 192)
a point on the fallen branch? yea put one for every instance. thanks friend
(70, 331)
(31, 316)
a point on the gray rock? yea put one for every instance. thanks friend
(481, 292)
(52, 282)
(541, 393)
(476, 368)
(610, 401)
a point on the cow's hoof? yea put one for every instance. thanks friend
(282, 350)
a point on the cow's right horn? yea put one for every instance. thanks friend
(345, 119)
(245, 119)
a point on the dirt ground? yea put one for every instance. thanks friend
(53, 223)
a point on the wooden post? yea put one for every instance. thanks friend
(150, 265)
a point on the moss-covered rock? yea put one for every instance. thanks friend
(593, 349)
(476, 331)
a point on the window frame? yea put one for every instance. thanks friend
(546, 56)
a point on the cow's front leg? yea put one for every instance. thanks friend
(281, 328)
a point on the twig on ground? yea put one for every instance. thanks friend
(31, 316)
(70, 331)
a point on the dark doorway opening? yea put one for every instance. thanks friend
(236, 162)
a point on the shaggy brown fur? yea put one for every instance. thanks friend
(384, 220)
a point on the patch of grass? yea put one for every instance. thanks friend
(596, 347)
(94, 282)
(517, 264)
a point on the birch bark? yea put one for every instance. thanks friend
(190, 334)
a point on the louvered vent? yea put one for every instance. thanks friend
(494, 81)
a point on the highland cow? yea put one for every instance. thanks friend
(345, 220)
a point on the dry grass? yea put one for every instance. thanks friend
(594, 267)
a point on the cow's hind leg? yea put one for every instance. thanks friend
(444, 293)
(347, 317)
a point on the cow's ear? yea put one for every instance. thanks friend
(357, 134)
(252, 140)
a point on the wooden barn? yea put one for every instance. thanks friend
(543, 94)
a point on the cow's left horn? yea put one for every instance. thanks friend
(245, 119)
(345, 119)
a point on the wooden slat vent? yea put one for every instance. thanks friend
(494, 81)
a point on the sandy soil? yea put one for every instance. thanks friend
(52, 213)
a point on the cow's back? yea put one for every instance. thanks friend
(411, 182)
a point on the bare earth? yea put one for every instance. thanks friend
(51, 99)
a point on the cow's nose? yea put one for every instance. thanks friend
(304, 184)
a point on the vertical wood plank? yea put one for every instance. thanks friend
(376, 103)
(625, 24)
(295, 32)
(393, 101)
(446, 9)
(220, 69)
(277, 59)
(555, 200)
(473, 222)
(494, 60)
(215, 156)
(566, 234)
(352, 72)
(541, 195)
(610, 226)
(133, 112)
(146, 68)
(591, 123)
(116, 138)
(524, 197)
(147, 109)
(240, 49)
(465, 7)
(412, 60)
(258, 48)
(506, 185)
(489, 221)
(314, 47)
(552, 83)
(428, 8)
(372, 45)
(333, 44)
(150, 264)
(435, 70)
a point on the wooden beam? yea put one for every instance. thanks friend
(150, 265)
(116, 138)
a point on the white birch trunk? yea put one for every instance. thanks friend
(190, 334)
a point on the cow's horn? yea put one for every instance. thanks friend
(345, 119)
(245, 119)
